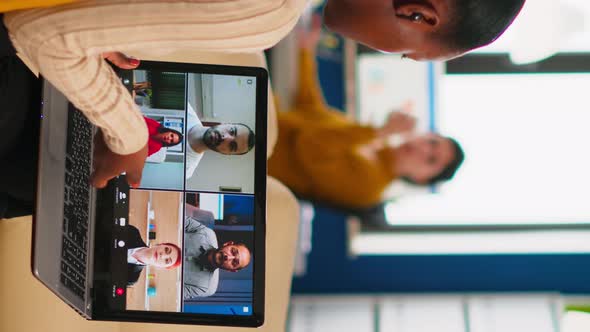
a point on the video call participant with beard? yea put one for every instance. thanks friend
(139, 255)
(203, 258)
(225, 138)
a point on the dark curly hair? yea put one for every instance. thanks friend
(476, 23)
(162, 129)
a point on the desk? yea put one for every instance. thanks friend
(26, 305)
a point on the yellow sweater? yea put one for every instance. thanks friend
(9, 5)
(316, 154)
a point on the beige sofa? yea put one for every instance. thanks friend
(26, 305)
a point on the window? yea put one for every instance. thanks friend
(527, 161)
(523, 185)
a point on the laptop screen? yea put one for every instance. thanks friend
(184, 239)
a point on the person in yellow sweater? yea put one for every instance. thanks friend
(323, 156)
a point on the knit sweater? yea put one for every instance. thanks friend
(64, 44)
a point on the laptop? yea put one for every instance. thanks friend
(188, 245)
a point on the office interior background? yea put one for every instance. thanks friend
(503, 246)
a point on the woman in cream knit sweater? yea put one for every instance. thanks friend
(65, 44)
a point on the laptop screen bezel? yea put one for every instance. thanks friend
(105, 214)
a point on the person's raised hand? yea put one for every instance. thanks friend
(401, 122)
(309, 37)
(121, 60)
(108, 164)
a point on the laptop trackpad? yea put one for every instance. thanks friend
(56, 116)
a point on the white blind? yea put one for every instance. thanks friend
(527, 145)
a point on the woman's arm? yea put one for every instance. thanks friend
(309, 96)
(65, 43)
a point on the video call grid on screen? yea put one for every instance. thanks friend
(215, 115)
(197, 191)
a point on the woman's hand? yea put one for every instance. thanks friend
(401, 122)
(108, 164)
(121, 60)
(309, 38)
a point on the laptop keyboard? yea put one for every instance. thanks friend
(76, 202)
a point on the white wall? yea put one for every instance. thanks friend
(526, 143)
(386, 82)
(543, 28)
